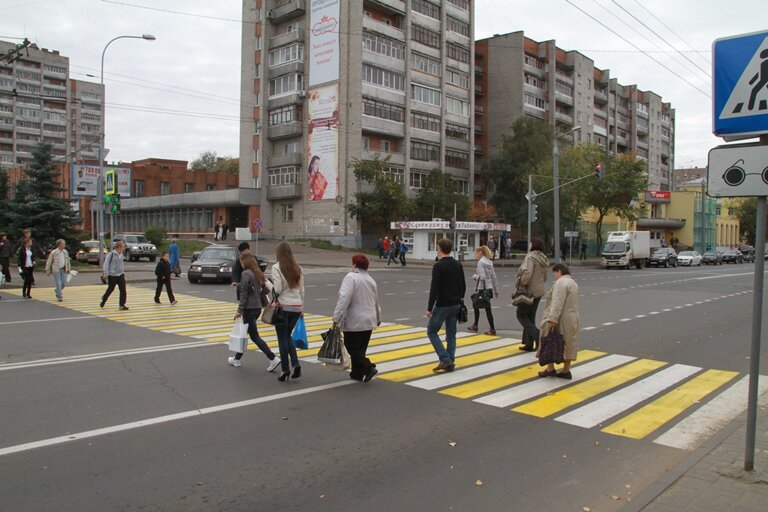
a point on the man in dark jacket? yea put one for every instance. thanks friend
(237, 268)
(163, 273)
(445, 295)
(5, 256)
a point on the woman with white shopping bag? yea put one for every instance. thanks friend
(250, 306)
(358, 313)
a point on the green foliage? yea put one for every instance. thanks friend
(4, 203)
(38, 204)
(746, 211)
(210, 161)
(437, 198)
(156, 234)
(380, 199)
(186, 247)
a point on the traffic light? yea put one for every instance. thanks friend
(534, 212)
(115, 203)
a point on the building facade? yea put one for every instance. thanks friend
(517, 76)
(40, 102)
(326, 82)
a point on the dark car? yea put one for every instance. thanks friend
(733, 256)
(136, 247)
(748, 253)
(214, 263)
(663, 256)
(712, 258)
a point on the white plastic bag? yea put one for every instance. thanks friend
(71, 275)
(238, 336)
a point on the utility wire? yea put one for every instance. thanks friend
(668, 28)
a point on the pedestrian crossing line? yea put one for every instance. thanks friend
(653, 416)
(590, 388)
(205, 319)
(465, 371)
(601, 410)
(430, 359)
(425, 348)
(506, 379)
(523, 392)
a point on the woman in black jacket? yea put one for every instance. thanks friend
(26, 258)
(163, 273)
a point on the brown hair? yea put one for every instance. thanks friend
(250, 263)
(562, 268)
(445, 245)
(288, 265)
(537, 244)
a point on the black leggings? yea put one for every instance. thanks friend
(356, 343)
(526, 315)
(488, 313)
(28, 274)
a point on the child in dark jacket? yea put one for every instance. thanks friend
(163, 273)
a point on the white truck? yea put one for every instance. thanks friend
(625, 248)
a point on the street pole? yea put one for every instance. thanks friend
(556, 192)
(530, 207)
(100, 182)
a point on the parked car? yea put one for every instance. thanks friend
(748, 254)
(71, 246)
(215, 262)
(733, 256)
(89, 252)
(665, 256)
(689, 258)
(136, 247)
(712, 258)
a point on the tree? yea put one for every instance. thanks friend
(37, 204)
(381, 198)
(482, 212)
(4, 207)
(438, 197)
(206, 160)
(746, 211)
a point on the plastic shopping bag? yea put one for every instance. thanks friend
(238, 336)
(299, 335)
(333, 344)
(71, 275)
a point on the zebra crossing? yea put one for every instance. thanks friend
(675, 405)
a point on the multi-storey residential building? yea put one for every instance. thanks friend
(39, 101)
(326, 82)
(518, 76)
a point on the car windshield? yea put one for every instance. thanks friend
(686, 253)
(710, 254)
(90, 245)
(217, 254)
(136, 239)
(614, 247)
(661, 251)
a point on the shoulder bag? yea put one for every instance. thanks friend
(552, 349)
(273, 313)
(481, 298)
(463, 313)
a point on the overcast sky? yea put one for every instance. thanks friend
(178, 96)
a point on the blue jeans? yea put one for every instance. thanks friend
(249, 317)
(284, 342)
(448, 315)
(60, 280)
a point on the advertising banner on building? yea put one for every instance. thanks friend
(85, 177)
(324, 42)
(323, 144)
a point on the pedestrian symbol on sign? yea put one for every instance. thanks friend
(750, 95)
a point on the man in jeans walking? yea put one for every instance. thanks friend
(445, 295)
(58, 265)
(115, 275)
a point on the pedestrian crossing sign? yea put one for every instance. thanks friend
(740, 86)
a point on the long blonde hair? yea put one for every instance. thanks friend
(288, 266)
(250, 263)
(486, 251)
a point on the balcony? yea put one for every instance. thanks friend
(286, 11)
(294, 36)
(285, 130)
(285, 160)
(564, 118)
(295, 66)
(478, 129)
(383, 126)
(384, 29)
(642, 128)
(478, 90)
(478, 149)
(276, 192)
(390, 6)
(295, 98)
(394, 158)
(601, 96)
(563, 98)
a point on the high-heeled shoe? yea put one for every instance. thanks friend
(284, 377)
(296, 372)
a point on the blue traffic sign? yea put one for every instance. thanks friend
(740, 86)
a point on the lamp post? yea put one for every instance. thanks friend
(556, 188)
(100, 182)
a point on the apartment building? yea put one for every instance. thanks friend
(517, 76)
(39, 101)
(326, 82)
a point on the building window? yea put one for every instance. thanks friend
(257, 70)
(383, 45)
(563, 88)
(383, 78)
(533, 61)
(286, 54)
(366, 143)
(533, 101)
(138, 188)
(425, 95)
(383, 110)
(426, 8)
(286, 84)
(291, 148)
(461, 4)
(425, 64)
(457, 78)
(457, 106)
(283, 175)
(284, 115)
(386, 146)
(287, 212)
(210, 187)
(425, 36)
(458, 26)
(418, 179)
(425, 122)
(458, 52)
(457, 159)
(395, 173)
(425, 151)
(456, 131)
(165, 188)
(462, 186)
(256, 158)
(189, 187)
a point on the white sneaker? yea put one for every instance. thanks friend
(273, 364)
(234, 362)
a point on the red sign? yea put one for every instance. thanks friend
(660, 194)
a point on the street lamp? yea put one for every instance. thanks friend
(100, 183)
(556, 188)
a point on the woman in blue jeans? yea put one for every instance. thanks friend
(288, 279)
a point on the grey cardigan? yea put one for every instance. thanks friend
(250, 288)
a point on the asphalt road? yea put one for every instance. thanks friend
(138, 410)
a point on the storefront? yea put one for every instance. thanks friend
(422, 236)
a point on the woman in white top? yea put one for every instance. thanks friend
(288, 278)
(26, 258)
(486, 284)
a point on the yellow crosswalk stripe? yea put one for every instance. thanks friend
(506, 379)
(426, 348)
(564, 398)
(425, 370)
(652, 416)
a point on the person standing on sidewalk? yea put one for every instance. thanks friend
(403, 250)
(531, 277)
(163, 273)
(445, 295)
(394, 250)
(58, 264)
(487, 285)
(358, 313)
(114, 271)
(26, 257)
(173, 257)
(5, 256)
(288, 278)
(561, 312)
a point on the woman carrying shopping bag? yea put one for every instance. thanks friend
(288, 278)
(561, 314)
(486, 288)
(531, 277)
(250, 308)
(358, 313)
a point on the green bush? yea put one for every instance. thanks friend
(156, 234)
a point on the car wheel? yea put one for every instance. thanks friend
(152, 258)
(127, 255)
(666, 264)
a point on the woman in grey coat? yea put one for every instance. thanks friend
(531, 277)
(486, 284)
(358, 313)
(561, 312)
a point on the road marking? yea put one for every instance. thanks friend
(473, 372)
(430, 358)
(47, 320)
(589, 328)
(165, 419)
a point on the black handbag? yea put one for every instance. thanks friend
(481, 299)
(521, 297)
(463, 313)
(552, 348)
